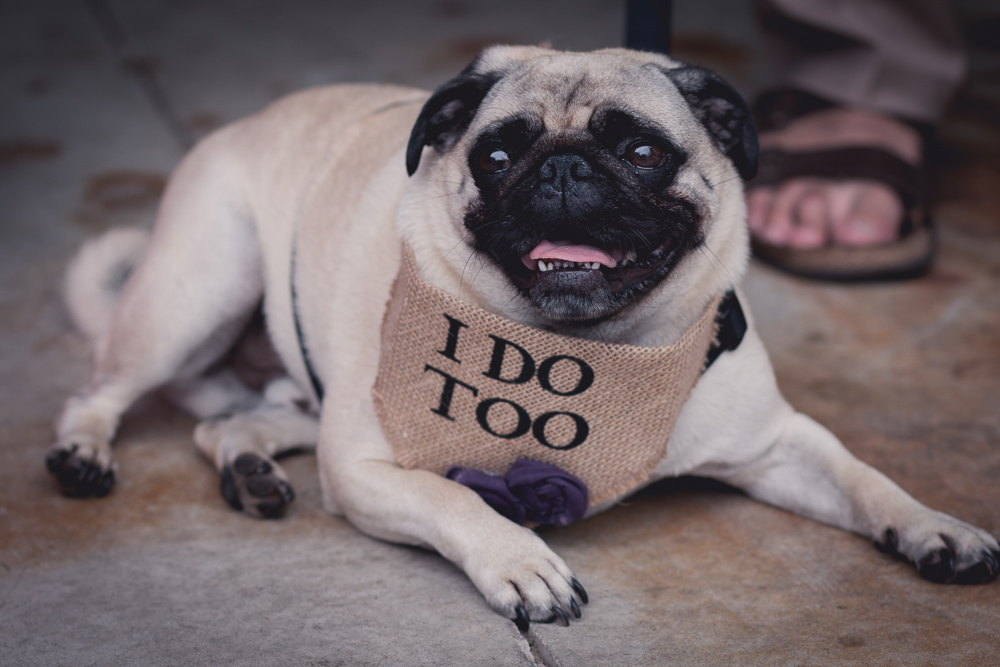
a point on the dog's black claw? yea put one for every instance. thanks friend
(521, 618)
(104, 485)
(78, 478)
(56, 458)
(584, 598)
(575, 607)
(561, 614)
(68, 474)
(889, 544)
(976, 574)
(982, 572)
(938, 566)
(89, 476)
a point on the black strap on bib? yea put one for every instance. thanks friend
(732, 327)
(317, 384)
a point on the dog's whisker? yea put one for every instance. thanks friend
(461, 281)
(711, 179)
(732, 178)
(706, 251)
(447, 194)
(433, 180)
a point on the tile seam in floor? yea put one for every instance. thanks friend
(137, 65)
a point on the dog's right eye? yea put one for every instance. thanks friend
(494, 161)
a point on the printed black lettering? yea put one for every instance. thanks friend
(448, 392)
(582, 385)
(582, 430)
(500, 346)
(451, 343)
(523, 418)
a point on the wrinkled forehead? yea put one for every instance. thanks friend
(565, 91)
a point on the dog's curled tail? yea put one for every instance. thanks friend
(97, 274)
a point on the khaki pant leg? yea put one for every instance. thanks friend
(901, 57)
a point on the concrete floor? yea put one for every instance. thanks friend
(97, 100)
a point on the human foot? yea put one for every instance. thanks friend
(810, 212)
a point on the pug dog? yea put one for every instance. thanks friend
(593, 195)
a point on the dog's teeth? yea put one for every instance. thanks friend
(630, 256)
(561, 264)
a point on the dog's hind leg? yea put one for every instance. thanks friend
(243, 448)
(183, 306)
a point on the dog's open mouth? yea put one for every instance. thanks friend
(552, 262)
(570, 281)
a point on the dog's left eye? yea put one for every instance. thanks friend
(494, 161)
(645, 155)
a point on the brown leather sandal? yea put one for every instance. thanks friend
(909, 256)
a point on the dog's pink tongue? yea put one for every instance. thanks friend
(568, 252)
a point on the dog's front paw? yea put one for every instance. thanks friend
(80, 469)
(256, 485)
(945, 550)
(523, 579)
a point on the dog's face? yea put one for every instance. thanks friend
(586, 179)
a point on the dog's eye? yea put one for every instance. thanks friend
(494, 161)
(645, 155)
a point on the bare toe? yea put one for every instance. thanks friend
(780, 225)
(811, 215)
(759, 201)
(874, 216)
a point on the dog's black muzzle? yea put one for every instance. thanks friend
(581, 197)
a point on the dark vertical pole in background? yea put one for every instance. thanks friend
(647, 25)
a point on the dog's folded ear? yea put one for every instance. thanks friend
(722, 111)
(447, 114)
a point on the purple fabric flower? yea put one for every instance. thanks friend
(532, 491)
(492, 489)
(549, 494)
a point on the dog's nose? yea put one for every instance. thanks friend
(561, 173)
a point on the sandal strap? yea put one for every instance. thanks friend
(850, 163)
(775, 109)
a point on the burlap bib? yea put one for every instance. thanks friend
(460, 386)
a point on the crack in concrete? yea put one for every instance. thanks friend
(537, 651)
(140, 67)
